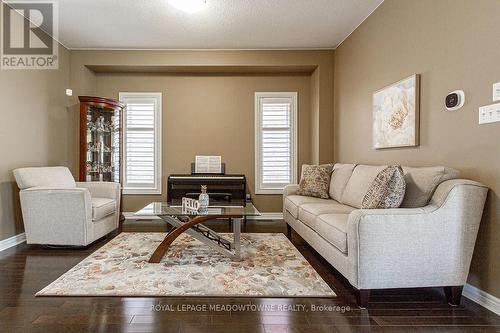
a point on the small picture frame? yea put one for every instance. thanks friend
(190, 204)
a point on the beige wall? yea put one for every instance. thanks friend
(207, 94)
(212, 115)
(453, 44)
(33, 120)
(321, 104)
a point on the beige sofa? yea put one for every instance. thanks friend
(426, 242)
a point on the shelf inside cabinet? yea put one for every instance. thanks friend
(103, 133)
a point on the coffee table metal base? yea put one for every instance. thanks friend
(207, 236)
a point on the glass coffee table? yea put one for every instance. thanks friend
(190, 222)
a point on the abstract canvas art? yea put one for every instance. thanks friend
(396, 114)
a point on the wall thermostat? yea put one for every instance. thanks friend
(455, 100)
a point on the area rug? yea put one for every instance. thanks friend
(271, 267)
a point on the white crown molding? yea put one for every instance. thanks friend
(201, 49)
(12, 241)
(482, 298)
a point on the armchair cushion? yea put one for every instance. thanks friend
(102, 207)
(102, 189)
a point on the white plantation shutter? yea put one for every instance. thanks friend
(275, 139)
(142, 143)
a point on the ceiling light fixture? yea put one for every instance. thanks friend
(188, 6)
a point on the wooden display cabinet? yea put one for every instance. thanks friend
(101, 139)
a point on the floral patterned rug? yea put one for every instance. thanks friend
(271, 267)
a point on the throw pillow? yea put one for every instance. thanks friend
(387, 190)
(315, 180)
(421, 182)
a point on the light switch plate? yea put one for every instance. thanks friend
(496, 92)
(69, 92)
(489, 114)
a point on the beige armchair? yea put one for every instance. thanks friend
(59, 211)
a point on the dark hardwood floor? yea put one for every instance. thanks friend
(26, 269)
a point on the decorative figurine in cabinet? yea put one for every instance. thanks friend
(100, 139)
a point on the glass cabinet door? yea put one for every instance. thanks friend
(103, 145)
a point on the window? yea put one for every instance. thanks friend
(142, 143)
(275, 141)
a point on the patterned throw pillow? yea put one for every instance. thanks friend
(387, 189)
(315, 180)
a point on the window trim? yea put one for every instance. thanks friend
(157, 189)
(294, 129)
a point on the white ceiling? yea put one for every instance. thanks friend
(223, 24)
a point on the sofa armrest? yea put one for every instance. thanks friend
(56, 214)
(416, 247)
(290, 189)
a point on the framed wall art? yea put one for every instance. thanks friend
(396, 114)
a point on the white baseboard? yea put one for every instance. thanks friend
(482, 298)
(131, 216)
(12, 241)
(267, 216)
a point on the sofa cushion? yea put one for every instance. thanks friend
(315, 180)
(340, 177)
(102, 207)
(387, 190)
(422, 182)
(292, 203)
(357, 186)
(309, 211)
(333, 228)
